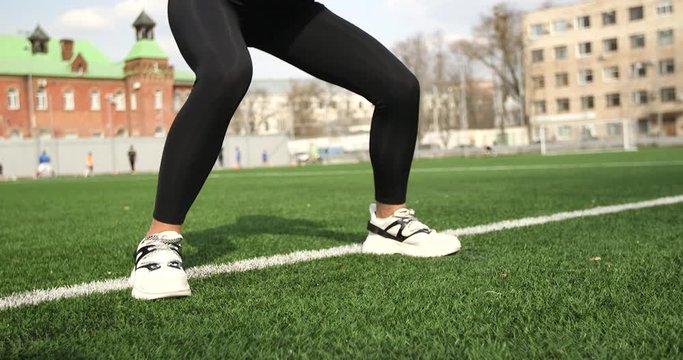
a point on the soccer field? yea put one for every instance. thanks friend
(597, 285)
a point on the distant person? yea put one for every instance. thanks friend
(44, 166)
(89, 165)
(2, 177)
(264, 157)
(220, 157)
(315, 155)
(238, 158)
(214, 37)
(132, 156)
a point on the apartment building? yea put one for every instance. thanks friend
(599, 67)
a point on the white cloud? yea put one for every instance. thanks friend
(115, 16)
(87, 18)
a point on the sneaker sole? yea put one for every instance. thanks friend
(145, 295)
(379, 245)
(142, 295)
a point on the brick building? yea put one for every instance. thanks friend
(69, 88)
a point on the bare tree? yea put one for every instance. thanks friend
(252, 114)
(301, 99)
(498, 45)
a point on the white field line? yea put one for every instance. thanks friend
(100, 287)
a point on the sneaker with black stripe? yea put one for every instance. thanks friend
(402, 233)
(158, 271)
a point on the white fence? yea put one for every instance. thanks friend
(19, 158)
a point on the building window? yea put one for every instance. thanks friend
(588, 102)
(561, 52)
(537, 55)
(611, 73)
(179, 99)
(610, 45)
(609, 18)
(538, 30)
(539, 107)
(69, 101)
(668, 94)
(665, 7)
(41, 99)
(587, 131)
(13, 99)
(585, 76)
(585, 48)
(665, 37)
(667, 67)
(563, 105)
(583, 22)
(119, 101)
(636, 13)
(615, 129)
(561, 79)
(637, 41)
(538, 82)
(133, 101)
(95, 101)
(158, 100)
(639, 70)
(613, 100)
(560, 26)
(159, 132)
(15, 134)
(640, 97)
(564, 132)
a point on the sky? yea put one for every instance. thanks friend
(107, 23)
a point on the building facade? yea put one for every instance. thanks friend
(602, 66)
(69, 88)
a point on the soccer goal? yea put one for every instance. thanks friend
(596, 136)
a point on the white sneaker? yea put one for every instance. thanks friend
(158, 271)
(402, 233)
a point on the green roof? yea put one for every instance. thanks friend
(147, 49)
(16, 59)
(184, 76)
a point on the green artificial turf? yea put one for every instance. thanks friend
(536, 292)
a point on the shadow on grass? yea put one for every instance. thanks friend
(213, 243)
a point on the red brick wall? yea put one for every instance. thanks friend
(85, 122)
(11, 119)
(151, 75)
(82, 120)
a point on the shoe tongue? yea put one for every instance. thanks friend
(404, 213)
(168, 237)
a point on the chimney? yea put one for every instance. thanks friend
(67, 49)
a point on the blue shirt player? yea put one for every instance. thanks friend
(44, 167)
(44, 158)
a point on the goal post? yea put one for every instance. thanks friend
(594, 136)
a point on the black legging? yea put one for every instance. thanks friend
(213, 36)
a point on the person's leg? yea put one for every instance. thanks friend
(210, 39)
(334, 50)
